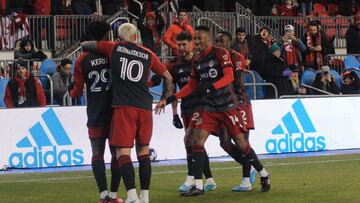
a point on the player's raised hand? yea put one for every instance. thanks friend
(160, 107)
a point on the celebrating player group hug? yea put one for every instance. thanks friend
(213, 101)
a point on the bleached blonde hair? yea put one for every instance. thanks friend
(127, 31)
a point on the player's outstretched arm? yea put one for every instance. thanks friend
(167, 91)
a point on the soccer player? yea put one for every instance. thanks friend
(132, 104)
(212, 75)
(94, 70)
(180, 70)
(223, 39)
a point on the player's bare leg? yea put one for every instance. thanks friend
(144, 172)
(127, 173)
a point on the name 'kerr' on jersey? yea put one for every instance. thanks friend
(96, 74)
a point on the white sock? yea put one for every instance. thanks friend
(103, 194)
(246, 180)
(199, 184)
(144, 196)
(210, 180)
(113, 195)
(132, 195)
(263, 173)
(189, 180)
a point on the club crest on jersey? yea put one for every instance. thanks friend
(225, 57)
(211, 63)
(238, 65)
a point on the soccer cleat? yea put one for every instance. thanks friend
(185, 188)
(117, 200)
(253, 173)
(193, 192)
(265, 183)
(243, 187)
(209, 185)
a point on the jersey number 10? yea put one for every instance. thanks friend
(127, 69)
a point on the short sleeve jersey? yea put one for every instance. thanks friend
(208, 68)
(94, 70)
(180, 70)
(131, 65)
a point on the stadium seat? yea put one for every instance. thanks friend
(48, 67)
(333, 9)
(319, 9)
(308, 77)
(337, 64)
(351, 62)
(3, 83)
(259, 89)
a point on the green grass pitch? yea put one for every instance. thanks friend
(307, 179)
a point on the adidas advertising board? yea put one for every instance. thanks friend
(47, 137)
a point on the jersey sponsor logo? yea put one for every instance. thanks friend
(132, 52)
(41, 150)
(213, 73)
(99, 61)
(296, 133)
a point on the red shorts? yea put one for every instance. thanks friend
(213, 121)
(98, 132)
(246, 113)
(188, 120)
(129, 124)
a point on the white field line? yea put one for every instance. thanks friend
(183, 171)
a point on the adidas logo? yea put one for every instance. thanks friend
(41, 150)
(181, 70)
(299, 134)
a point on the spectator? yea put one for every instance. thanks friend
(276, 73)
(61, 80)
(296, 87)
(353, 36)
(287, 9)
(316, 45)
(151, 31)
(28, 51)
(24, 90)
(83, 7)
(351, 83)
(292, 48)
(179, 25)
(258, 48)
(240, 44)
(325, 81)
(306, 7)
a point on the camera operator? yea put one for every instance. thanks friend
(325, 81)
